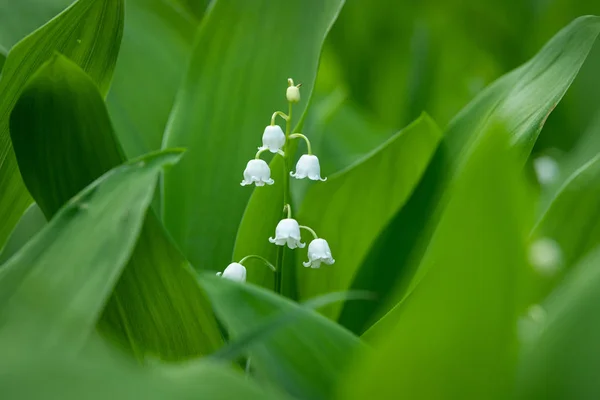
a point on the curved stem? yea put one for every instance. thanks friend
(299, 135)
(288, 208)
(259, 152)
(281, 114)
(310, 230)
(264, 260)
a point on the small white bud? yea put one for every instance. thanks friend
(545, 256)
(546, 169)
(318, 252)
(287, 232)
(234, 272)
(293, 94)
(308, 166)
(273, 138)
(258, 172)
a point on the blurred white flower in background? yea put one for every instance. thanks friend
(546, 169)
(545, 256)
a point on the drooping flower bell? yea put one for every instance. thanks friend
(318, 252)
(308, 166)
(258, 172)
(287, 231)
(273, 138)
(235, 272)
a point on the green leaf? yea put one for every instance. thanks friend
(89, 32)
(19, 18)
(335, 210)
(156, 45)
(100, 373)
(560, 363)
(3, 53)
(29, 225)
(157, 308)
(520, 101)
(454, 335)
(69, 276)
(236, 80)
(306, 358)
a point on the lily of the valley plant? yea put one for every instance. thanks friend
(287, 231)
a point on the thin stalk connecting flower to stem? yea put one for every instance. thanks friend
(264, 260)
(299, 135)
(306, 228)
(281, 114)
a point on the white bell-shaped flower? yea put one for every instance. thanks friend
(293, 94)
(287, 231)
(318, 252)
(234, 272)
(273, 138)
(308, 166)
(257, 171)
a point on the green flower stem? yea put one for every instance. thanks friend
(310, 230)
(281, 114)
(286, 195)
(299, 135)
(287, 208)
(264, 260)
(258, 153)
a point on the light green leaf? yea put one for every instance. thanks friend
(156, 45)
(235, 81)
(353, 206)
(157, 308)
(89, 32)
(100, 373)
(521, 101)
(561, 362)
(29, 225)
(305, 358)
(70, 276)
(3, 54)
(454, 335)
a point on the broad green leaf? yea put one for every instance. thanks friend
(196, 7)
(100, 373)
(3, 53)
(454, 335)
(89, 32)
(157, 308)
(353, 206)
(236, 79)
(561, 362)
(157, 42)
(68, 275)
(521, 101)
(305, 358)
(31, 222)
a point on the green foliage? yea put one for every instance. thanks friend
(176, 325)
(89, 32)
(439, 289)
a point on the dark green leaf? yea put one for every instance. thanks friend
(157, 307)
(306, 359)
(89, 33)
(521, 101)
(236, 80)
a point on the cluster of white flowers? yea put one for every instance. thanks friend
(257, 171)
